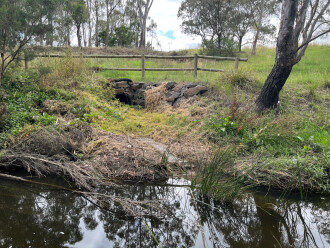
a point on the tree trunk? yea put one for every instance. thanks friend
(89, 4)
(84, 35)
(256, 37)
(2, 69)
(143, 17)
(107, 37)
(50, 34)
(78, 36)
(143, 38)
(68, 38)
(97, 24)
(240, 40)
(269, 95)
(286, 54)
(255, 41)
(219, 42)
(3, 52)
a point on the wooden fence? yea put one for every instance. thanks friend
(143, 58)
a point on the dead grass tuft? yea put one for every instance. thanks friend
(155, 97)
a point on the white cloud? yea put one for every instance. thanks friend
(164, 13)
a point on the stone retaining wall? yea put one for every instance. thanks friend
(133, 93)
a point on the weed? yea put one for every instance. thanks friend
(114, 113)
(215, 179)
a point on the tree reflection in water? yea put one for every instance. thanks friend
(34, 216)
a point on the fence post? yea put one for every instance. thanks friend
(196, 65)
(143, 65)
(236, 63)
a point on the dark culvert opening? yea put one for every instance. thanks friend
(124, 98)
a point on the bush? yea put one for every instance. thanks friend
(210, 48)
(243, 80)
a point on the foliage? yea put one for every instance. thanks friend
(222, 25)
(19, 24)
(123, 36)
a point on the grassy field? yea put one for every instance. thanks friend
(314, 67)
(288, 148)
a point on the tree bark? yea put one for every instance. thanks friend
(143, 17)
(240, 40)
(256, 37)
(78, 36)
(97, 23)
(285, 58)
(50, 34)
(90, 28)
(2, 69)
(107, 39)
(84, 34)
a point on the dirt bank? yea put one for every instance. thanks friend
(88, 157)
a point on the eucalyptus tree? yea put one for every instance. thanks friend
(110, 7)
(241, 20)
(131, 19)
(19, 24)
(79, 13)
(262, 11)
(144, 9)
(208, 19)
(302, 21)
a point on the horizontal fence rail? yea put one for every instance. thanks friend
(143, 57)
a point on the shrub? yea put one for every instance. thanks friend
(243, 80)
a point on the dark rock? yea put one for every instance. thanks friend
(140, 102)
(195, 91)
(170, 99)
(117, 91)
(191, 85)
(175, 95)
(140, 94)
(137, 86)
(122, 84)
(178, 102)
(120, 80)
(170, 85)
(178, 88)
(183, 90)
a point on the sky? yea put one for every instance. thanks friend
(169, 34)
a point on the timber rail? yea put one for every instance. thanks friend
(143, 58)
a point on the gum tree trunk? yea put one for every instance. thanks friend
(256, 37)
(240, 40)
(97, 23)
(286, 54)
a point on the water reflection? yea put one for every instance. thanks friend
(34, 216)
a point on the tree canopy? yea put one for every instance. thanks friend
(20, 22)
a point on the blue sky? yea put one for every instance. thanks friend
(169, 34)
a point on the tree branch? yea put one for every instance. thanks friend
(312, 39)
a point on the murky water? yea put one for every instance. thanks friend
(38, 216)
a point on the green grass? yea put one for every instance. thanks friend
(292, 143)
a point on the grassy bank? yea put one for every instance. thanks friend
(286, 148)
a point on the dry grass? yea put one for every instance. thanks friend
(85, 156)
(155, 97)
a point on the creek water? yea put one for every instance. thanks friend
(39, 216)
